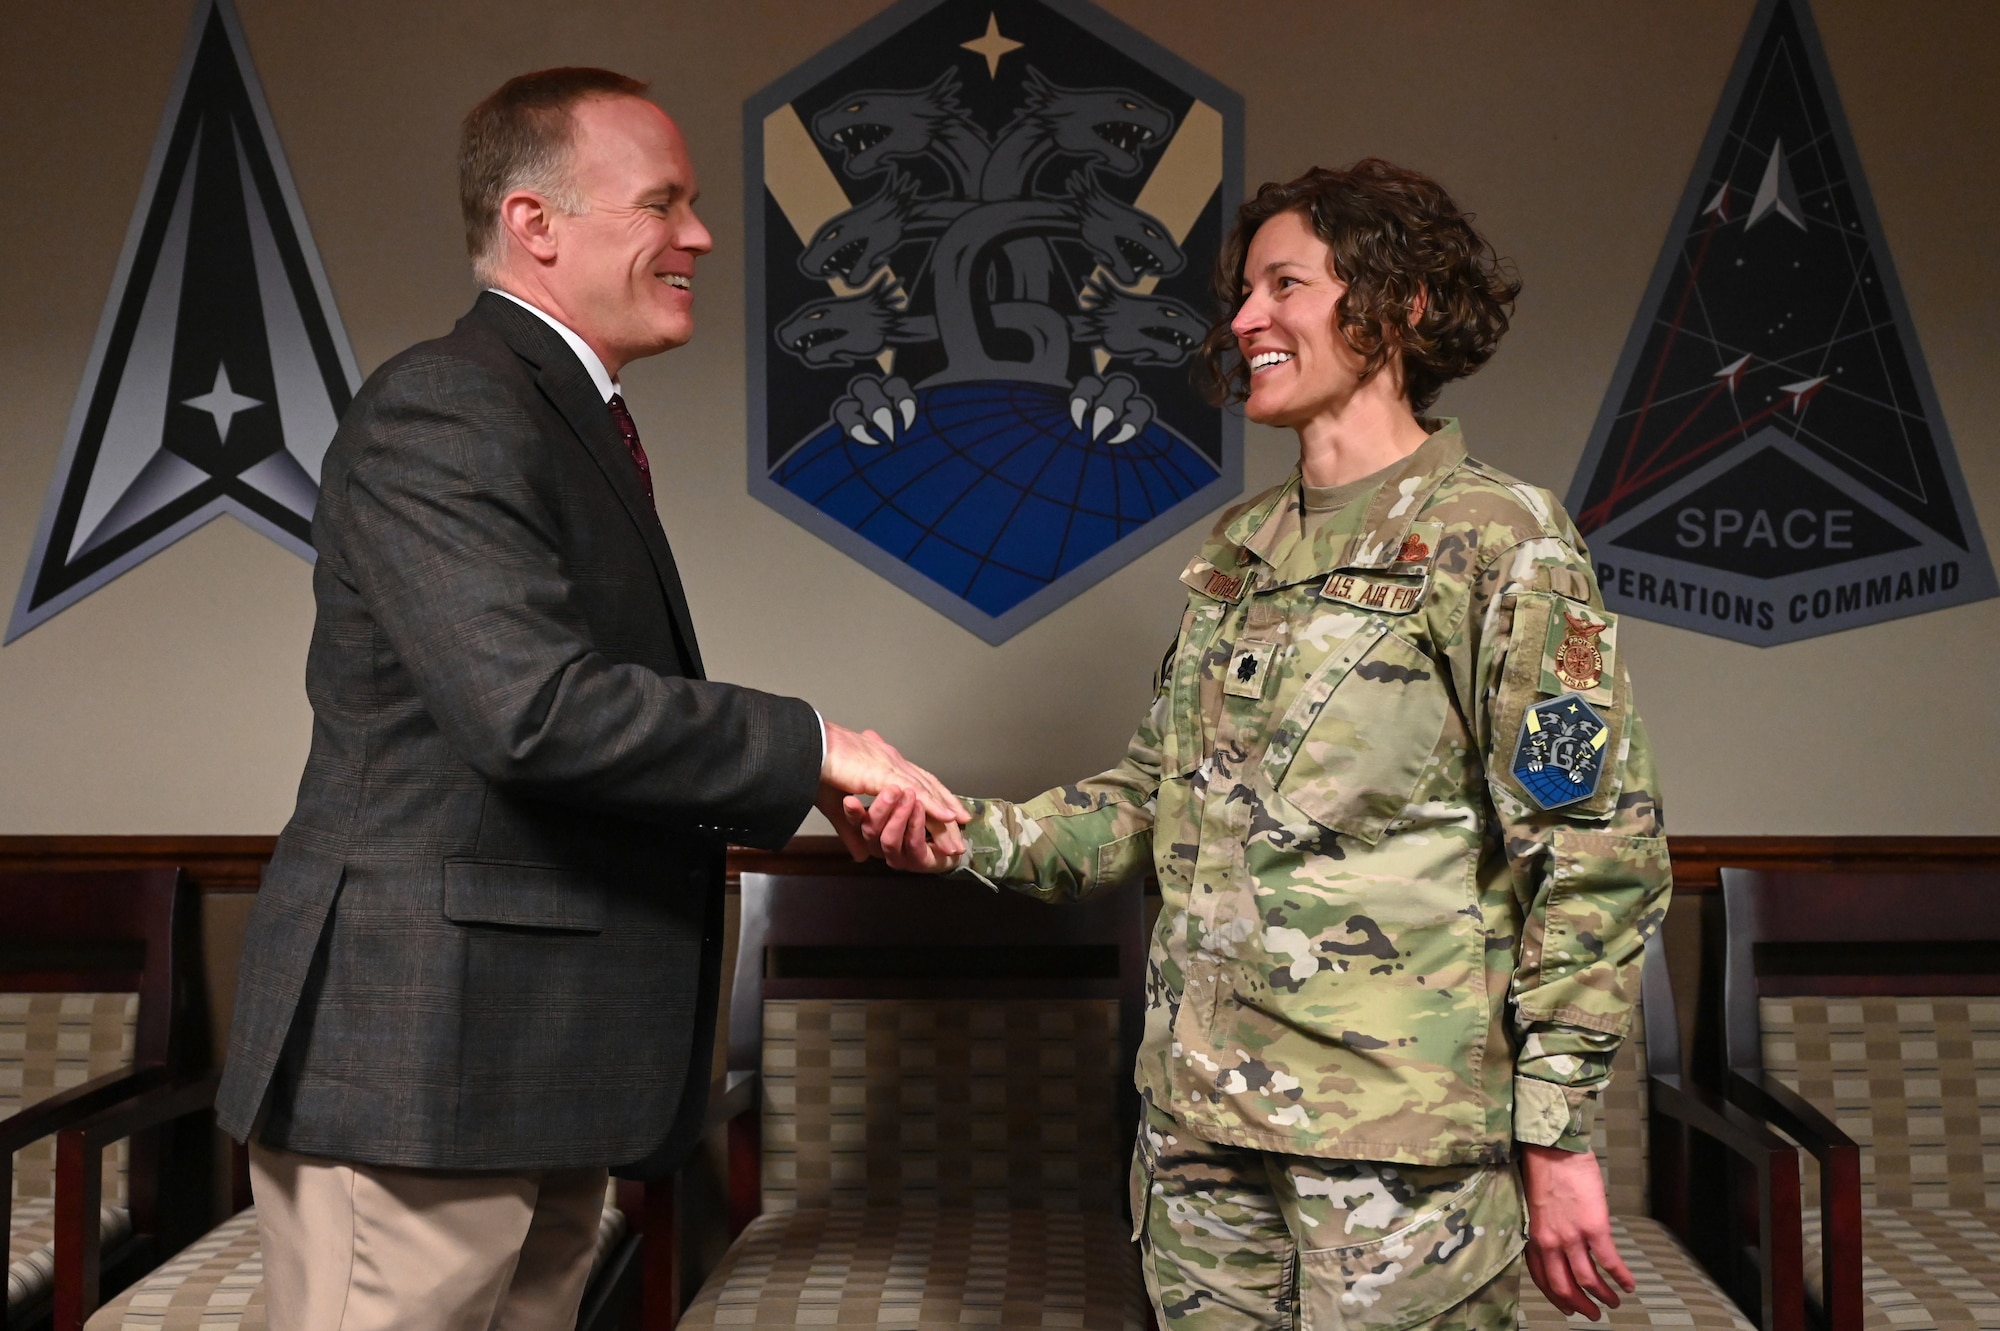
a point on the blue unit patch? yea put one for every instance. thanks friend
(1560, 755)
(981, 238)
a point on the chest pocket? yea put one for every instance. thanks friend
(1354, 744)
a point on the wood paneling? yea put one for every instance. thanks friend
(234, 863)
(1699, 860)
(212, 863)
(227, 868)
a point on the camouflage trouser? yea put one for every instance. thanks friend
(1234, 1239)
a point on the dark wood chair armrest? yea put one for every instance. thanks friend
(1775, 1161)
(80, 1184)
(58, 1111)
(1715, 1118)
(1839, 1184)
(1786, 1110)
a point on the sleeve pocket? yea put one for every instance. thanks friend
(524, 896)
(1604, 901)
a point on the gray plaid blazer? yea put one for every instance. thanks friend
(490, 935)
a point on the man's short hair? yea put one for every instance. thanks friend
(1400, 243)
(521, 137)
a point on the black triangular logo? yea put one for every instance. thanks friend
(220, 368)
(1773, 385)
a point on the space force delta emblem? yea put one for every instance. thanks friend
(220, 368)
(980, 236)
(1770, 462)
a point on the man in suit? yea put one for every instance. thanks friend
(483, 962)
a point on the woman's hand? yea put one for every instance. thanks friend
(895, 828)
(1569, 1230)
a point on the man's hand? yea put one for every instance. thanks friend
(894, 828)
(863, 763)
(1569, 1230)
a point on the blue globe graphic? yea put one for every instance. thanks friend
(994, 493)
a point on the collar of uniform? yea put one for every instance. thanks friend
(1260, 532)
(1404, 488)
(1224, 564)
(1402, 495)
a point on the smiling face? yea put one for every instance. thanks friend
(1301, 366)
(624, 267)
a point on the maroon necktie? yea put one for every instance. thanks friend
(630, 434)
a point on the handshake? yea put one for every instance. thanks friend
(913, 821)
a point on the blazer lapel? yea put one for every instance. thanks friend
(568, 387)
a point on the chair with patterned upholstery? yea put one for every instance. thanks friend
(1648, 1128)
(943, 1108)
(216, 1283)
(99, 1001)
(1862, 1017)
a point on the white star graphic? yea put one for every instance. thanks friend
(1775, 193)
(992, 45)
(222, 402)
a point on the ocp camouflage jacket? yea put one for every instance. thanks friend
(1377, 939)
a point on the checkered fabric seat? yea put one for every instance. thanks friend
(1916, 1083)
(936, 1163)
(217, 1283)
(1673, 1290)
(50, 1042)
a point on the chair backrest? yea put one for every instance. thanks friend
(932, 1043)
(1621, 1134)
(1876, 997)
(97, 975)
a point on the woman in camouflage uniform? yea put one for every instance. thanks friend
(1401, 810)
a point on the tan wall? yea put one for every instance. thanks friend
(171, 701)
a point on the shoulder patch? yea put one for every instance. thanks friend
(1559, 757)
(1579, 659)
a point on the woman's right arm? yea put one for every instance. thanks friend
(1062, 845)
(1066, 843)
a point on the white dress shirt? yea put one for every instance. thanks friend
(600, 376)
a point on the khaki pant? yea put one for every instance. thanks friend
(1234, 1239)
(351, 1247)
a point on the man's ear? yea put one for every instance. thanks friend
(1418, 304)
(529, 220)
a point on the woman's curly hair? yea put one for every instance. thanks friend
(1395, 236)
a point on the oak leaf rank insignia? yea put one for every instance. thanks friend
(1249, 668)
